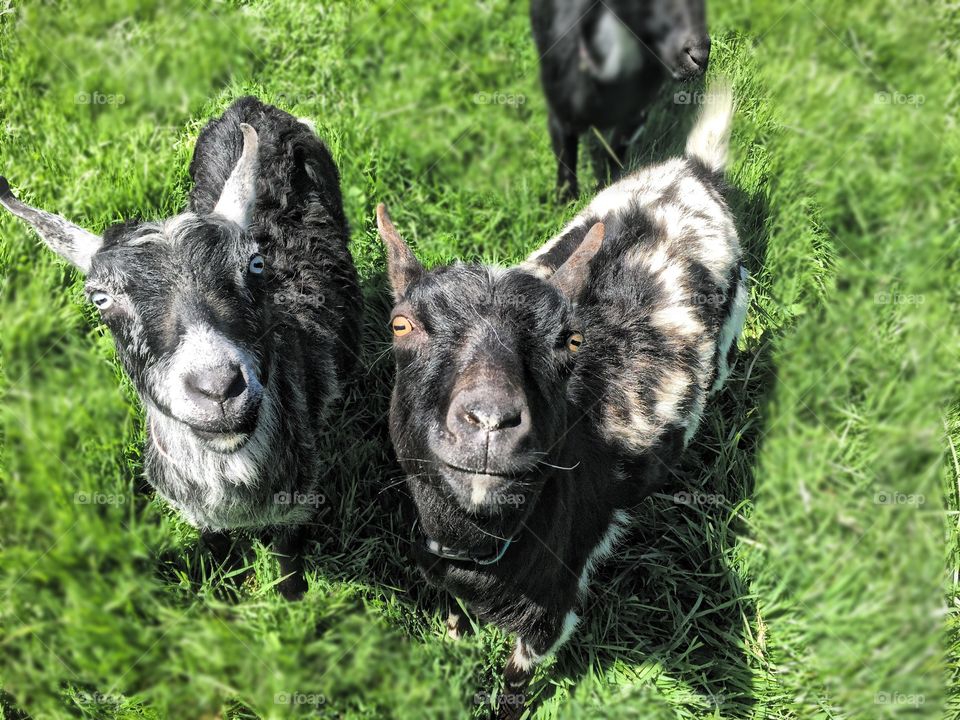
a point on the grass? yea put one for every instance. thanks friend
(811, 572)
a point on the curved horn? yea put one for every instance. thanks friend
(240, 191)
(64, 238)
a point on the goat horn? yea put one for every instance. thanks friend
(239, 194)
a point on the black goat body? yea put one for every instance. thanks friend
(236, 320)
(602, 63)
(535, 406)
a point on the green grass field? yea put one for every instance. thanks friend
(812, 572)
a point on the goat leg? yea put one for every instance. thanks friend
(288, 544)
(527, 653)
(564, 140)
(458, 624)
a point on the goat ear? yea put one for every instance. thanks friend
(571, 277)
(239, 193)
(403, 267)
(62, 236)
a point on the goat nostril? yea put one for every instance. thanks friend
(493, 420)
(219, 384)
(699, 55)
(510, 421)
(236, 387)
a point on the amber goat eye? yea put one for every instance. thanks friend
(401, 326)
(574, 342)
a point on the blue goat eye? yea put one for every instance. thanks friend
(257, 265)
(101, 299)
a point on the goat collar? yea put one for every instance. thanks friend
(499, 549)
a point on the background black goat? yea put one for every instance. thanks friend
(535, 406)
(236, 320)
(601, 63)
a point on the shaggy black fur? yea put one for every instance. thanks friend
(238, 335)
(594, 361)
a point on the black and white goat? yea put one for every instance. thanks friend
(236, 320)
(601, 64)
(535, 406)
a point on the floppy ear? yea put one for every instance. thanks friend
(239, 193)
(571, 277)
(402, 265)
(62, 236)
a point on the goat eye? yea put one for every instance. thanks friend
(574, 342)
(257, 265)
(401, 326)
(101, 299)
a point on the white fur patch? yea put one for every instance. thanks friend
(671, 392)
(672, 219)
(706, 351)
(677, 319)
(522, 657)
(179, 226)
(620, 48)
(570, 622)
(637, 431)
(480, 488)
(525, 659)
(613, 534)
(717, 252)
(709, 140)
(731, 329)
(644, 186)
(192, 467)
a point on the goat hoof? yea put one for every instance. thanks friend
(454, 632)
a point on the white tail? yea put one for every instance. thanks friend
(709, 141)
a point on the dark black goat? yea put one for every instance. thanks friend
(236, 320)
(601, 63)
(535, 406)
